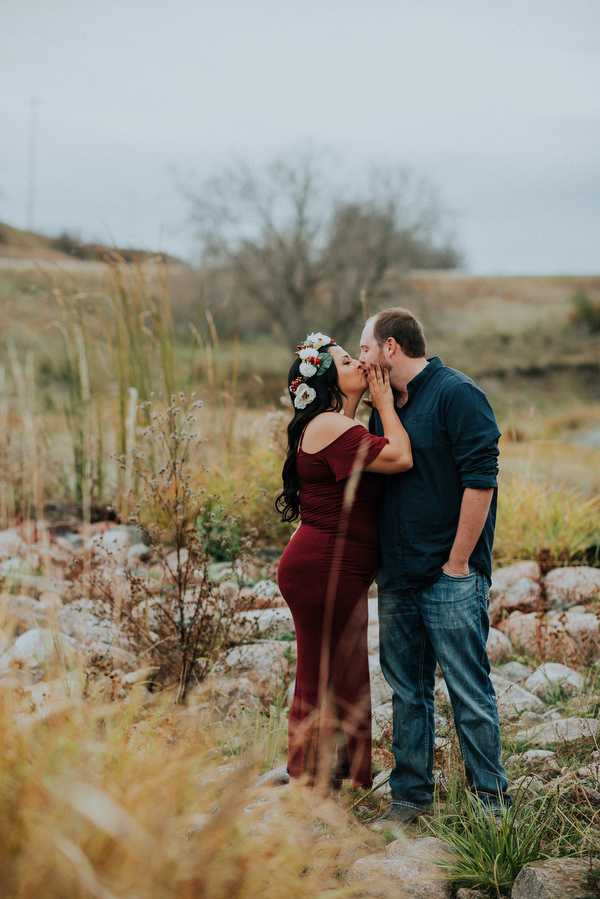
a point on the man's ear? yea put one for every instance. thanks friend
(391, 347)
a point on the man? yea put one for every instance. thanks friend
(436, 532)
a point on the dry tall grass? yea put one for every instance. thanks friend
(109, 800)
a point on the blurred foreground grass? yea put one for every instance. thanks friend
(110, 799)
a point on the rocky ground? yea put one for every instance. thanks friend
(49, 631)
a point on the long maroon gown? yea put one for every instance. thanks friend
(324, 575)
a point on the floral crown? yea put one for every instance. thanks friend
(314, 363)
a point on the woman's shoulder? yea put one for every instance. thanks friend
(324, 429)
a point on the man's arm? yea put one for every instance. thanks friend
(474, 510)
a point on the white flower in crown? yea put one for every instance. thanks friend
(306, 352)
(304, 396)
(317, 340)
(307, 369)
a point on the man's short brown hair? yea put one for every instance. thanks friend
(406, 330)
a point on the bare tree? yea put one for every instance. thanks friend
(303, 252)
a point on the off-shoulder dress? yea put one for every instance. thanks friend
(324, 575)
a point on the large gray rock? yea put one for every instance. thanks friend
(516, 671)
(525, 594)
(36, 584)
(547, 677)
(532, 758)
(564, 730)
(90, 622)
(381, 720)
(503, 578)
(11, 544)
(266, 664)
(556, 878)
(381, 692)
(20, 612)
(533, 633)
(567, 587)
(265, 594)
(267, 621)
(498, 646)
(220, 696)
(582, 626)
(406, 868)
(512, 698)
(36, 652)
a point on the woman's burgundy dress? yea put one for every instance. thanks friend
(324, 575)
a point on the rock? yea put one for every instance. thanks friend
(139, 552)
(107, 655)
(582, 626)
(526, 784)
(530, 759)
(531, 633)
(118, 540)
(578, 794)
(138, 676)
(373, 637)
(221, 695)
(11, 544)
(48, 693)
(465, 893)
(499, 647)
(278, 777)
(79, 619)
(36, 651)
(381, 720)
(556, 878)
(515, 671)
(266, 664)
(547, 677)
(565, 730)
(34, 585)
(48, 699)
(406, 868)
(513, 699)
(264, 594)
(351, 852)
(530, 719)
(271, 621)
(440, 691)
(381, 785)
(525, 594)
(503, 578)
(567, 587)
(381, 692)
(20, 613)
(50, 602)
(228, 591)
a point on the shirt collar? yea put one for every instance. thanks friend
(434, 364)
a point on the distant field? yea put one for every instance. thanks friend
(514, 335)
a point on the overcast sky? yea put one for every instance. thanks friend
(496, 103)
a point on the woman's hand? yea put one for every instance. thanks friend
(379, 386)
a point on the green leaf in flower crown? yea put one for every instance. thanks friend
(325, 360)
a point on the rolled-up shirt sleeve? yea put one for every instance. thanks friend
(474, 435)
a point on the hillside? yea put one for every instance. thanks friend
(18, 244)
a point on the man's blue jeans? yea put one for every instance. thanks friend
(446, 623)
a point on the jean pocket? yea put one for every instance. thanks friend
(459, 577)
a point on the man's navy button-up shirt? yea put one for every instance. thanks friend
(454, 438)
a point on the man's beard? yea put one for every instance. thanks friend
(381, 361)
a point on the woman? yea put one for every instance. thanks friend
(330, 479)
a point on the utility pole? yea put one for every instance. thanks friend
(31, 163)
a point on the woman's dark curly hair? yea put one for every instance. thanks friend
(329, 397)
